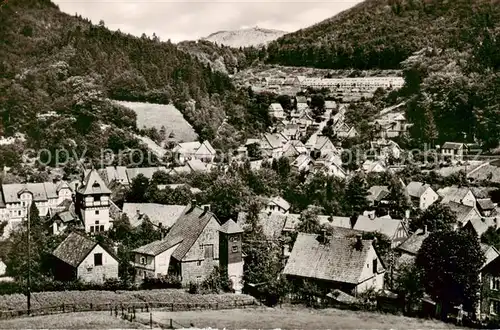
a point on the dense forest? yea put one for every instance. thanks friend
(381, 33)
(51, 62)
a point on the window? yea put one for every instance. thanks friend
(209, 251)
(374, 266)
(101, 228)
(97, 222)
(495, 283)
(198, 263)
(97, 259)
(96, 212)
(143, 260)
(235, 248)
(97, 198)
(495, 307)
(19, 212)
(91, 229)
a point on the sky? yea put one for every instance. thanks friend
(194, 19)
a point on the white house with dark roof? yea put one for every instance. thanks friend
(191, 248)
(453, 150)
(92, 203)
(202, 151)
(409, 248)
(421, 195)
(294, 148)
(271, 145)
(276, 111)
(394, 229)
(302, 163)
(277, 204)
(460, 195)
(79, 257)
(464, 213)
(350, 265)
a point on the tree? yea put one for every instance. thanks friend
(436, 217)
(450, 262)
(254, 151)
(491, 237)
(409, 285)
(228, 195)
(398, 198)
(309, 221)
(138, 189)
(356, 196)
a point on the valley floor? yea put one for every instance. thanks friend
(291, 318)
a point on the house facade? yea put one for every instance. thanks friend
(79, 257)
(92, 203)
(421, 195)
(453, 150)
(202, 151)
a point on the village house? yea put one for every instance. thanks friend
(320, 145)
(194, 150)
(489, 295)
(330, 165)
(378, 196)
(302, 163)
(394, 229)
(391, 125)
(453, 150)
(17, 198)
(464, 213)
(116, 173)
(350, 265)
(370, 166)
(486, 207)
(79, 257)
(407, 251)
(344, 131)
(276, 111)
(421, 195)
(191, 166)
(277, 204)
(63, 217)
(294, 148)
(385, 149)
(301, 103)
(460, 195)
(159, 215)
(271, 146)
(478, 226)
(291, 132)
(92, 203)
(362, 84)
(192, 248)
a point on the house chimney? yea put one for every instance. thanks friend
(206, 208)
(359, 242)
(407, 214)
(425, 230)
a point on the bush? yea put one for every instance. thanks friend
(165, 282)
(217, 282)
(194, 288)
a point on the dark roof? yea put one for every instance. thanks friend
(230, 227)
(462, 211)
(74, 249)
(416, 189)
(485, 204)
(378, 193)
(413, 243)
(185, 231)
(338, 260)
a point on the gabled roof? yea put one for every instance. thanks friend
(118, 173)
(275, 107)
(481, 225)
(230, 227)
(453, 145)
(416, 189)
(277, 200)
(166, 215)
(378, 193)
(413, 243)
(300, 160)
(74, 249)
(273, 140)
(337, 260)
(485, 204)
(184, 232)
(294, 147)
(463, 212)
(41, 191)
(388, 227)
(453, 194)
(93, 184)
(490, 253)
(301, 99)
(330, 104)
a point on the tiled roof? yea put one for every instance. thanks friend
(481, 225)
(452, 194)
(463, 211)
(273, 140)
(385, 226)
(185, 231)
(118, 173)
(230, 227)
(11, 191)
(276, 107)
(74, 249)
(413, 243)
(167, 215)
(416, 189)
(490, 253)
(187, 147)
(485, 204)
(338, 260)
(378, 193)
(93, 184)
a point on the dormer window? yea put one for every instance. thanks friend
(96, 185)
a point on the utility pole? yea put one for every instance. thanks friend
(29, 263)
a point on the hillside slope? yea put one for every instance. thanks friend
(57, 72)
(379, 33)
(255, 37)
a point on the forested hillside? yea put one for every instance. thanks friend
(51, 61)
(381, 33)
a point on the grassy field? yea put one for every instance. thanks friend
(84, 320)
(292, 318)
(158, 115)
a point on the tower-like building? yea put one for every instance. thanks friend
(92, 203)
(230, 253)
